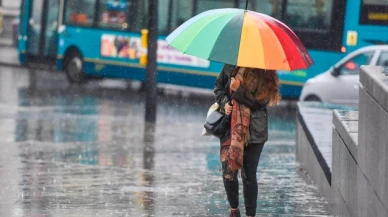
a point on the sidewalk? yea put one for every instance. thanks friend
(8, 55)
(79, 151)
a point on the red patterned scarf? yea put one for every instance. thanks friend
(232, 150)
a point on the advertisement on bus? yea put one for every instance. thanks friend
(118, 46)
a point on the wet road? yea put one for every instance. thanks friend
(79, 151)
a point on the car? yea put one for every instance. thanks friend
(340, 84)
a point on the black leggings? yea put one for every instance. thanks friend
(251, 161)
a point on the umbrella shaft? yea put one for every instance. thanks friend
(246, 5)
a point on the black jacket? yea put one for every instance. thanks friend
(258, 128)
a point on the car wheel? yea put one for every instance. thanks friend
(73, 66)
(312, 98)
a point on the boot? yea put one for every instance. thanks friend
(235, 213)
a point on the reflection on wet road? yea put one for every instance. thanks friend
(79, 151)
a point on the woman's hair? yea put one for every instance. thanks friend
(264, 84)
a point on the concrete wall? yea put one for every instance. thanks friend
(372, 173)
(309, 161)
(344, 151)
(359, 179)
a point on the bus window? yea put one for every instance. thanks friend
(316, 23)
(204, 5)
(270, 7)
(51, 36)
(113, 14)
(310, 15)
(80, 12)
(374, 12)
(172, 13)
(138, 15)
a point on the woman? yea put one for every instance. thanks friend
(244, 93)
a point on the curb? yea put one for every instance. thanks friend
(15, 65)
(6, 43)
(6, 40)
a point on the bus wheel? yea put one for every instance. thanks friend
(73, 66)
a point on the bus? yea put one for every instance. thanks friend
(102, 38)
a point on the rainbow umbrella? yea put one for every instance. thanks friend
(242, 38)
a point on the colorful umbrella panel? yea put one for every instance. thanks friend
(243, 38)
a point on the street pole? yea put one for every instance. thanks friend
(151, 71)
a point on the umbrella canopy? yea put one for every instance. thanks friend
(242, 38)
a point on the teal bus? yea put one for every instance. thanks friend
(102, 38)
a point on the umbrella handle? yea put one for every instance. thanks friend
(232, 75)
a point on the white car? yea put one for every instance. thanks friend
(339, 84)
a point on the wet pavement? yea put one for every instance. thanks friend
(79, 151)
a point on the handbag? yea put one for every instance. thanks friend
(217, 123)
(212, 108)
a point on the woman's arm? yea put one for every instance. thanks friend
(220, 87)
(245, 97)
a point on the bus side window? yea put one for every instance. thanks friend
(173, 13)
(113, 14)
(309, 14)
(80, 12)
(270, 7)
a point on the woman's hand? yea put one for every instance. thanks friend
(228, 109)
(234, 84)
